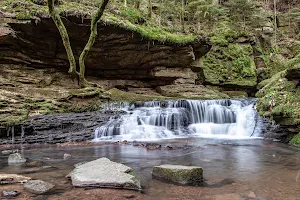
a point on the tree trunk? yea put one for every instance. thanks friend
(95, 18)
(65, 37)
(137, 4)
(182, 15)
(160, 8)
(275, 22)
(244, 23)
(149, 9)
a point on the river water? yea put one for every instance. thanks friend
(221, 136)
(233, 169)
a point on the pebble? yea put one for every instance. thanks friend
(67, 156)
(10, 193)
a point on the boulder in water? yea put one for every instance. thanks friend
(184, 175)
(104, 173)
(38, 186)
(16, 158)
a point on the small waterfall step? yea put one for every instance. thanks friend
(227, 118)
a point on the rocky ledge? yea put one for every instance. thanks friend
(117, 54)
(56, 128)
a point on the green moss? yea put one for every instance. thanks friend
(133, 15)
(127, 18)
(181, 176)
(295, 140)
(232, 65)
(280, 100)
(223, 34)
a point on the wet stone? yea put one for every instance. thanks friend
(12, 178)
(10, 193)
(184, 175)
(104, 173)
(16, 158)
(38, 186)
(152, 146)
(7, 152)
(67, 156)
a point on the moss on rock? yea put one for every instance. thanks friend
(296, 140)
(185, 175)
(232, 65)
(280, 99)
(116, 15)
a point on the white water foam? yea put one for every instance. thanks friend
(230, 119)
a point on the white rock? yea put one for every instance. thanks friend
(16, 158)
(104, 173)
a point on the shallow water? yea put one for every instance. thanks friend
(233, 169)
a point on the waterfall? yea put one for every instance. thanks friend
(154, 120)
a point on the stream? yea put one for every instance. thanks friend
(221, 136)
(231, 167)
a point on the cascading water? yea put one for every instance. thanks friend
(170, 119)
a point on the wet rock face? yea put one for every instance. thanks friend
(16, 158)
(116, 54)
(184, 175)
(38, 186)
(59, 128)
(104, 173)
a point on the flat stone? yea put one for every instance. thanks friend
(104, 173)
(7, 152)
(16, 158)
(38, 186)
(13, 178)
(185, 175)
